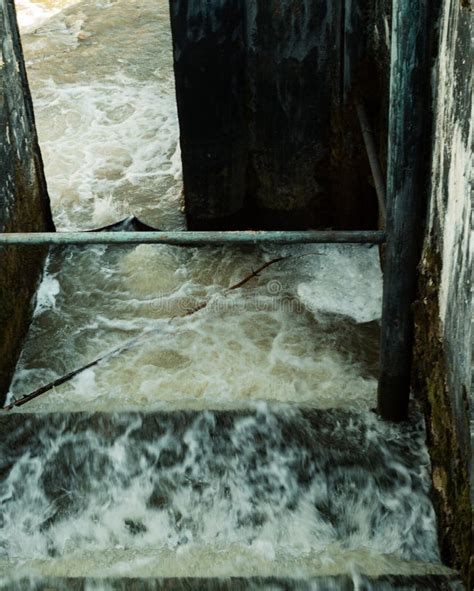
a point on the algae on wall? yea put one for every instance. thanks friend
(443, 312)
(24, 203)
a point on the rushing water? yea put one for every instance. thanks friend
(236, 440)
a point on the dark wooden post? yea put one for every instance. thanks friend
(258, 85)
(407, 189)
(293, 75)
(210, 69)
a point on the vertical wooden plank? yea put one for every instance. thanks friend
(210, 70)
(258, 85)
(407, 189)
(293, 74)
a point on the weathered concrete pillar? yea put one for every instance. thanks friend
(443, 311)
(24, 204)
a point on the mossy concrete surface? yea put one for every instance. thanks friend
(449, 449)
(442, 368)
(24, 203)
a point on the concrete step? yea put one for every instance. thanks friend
(343, 582)
(235, 568)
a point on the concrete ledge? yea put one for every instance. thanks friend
(336, 583)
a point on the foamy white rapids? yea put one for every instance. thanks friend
(112, 152)
(234, 483)
(34, 13)
(103, 88)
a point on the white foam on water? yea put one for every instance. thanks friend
(346, 285)
(180, 482)
(31, 14)
(107, 143)
(47, 293)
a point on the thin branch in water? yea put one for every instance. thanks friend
(255, 273)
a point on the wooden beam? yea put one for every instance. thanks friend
(407, 189)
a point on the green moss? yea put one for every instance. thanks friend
(451, 489)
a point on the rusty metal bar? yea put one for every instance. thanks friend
(192, 238)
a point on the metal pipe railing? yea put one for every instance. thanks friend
(193, 238)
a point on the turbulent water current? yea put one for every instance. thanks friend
(235, 438)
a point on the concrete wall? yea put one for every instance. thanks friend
(266, 139)
(24, 204)
(443, 313)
